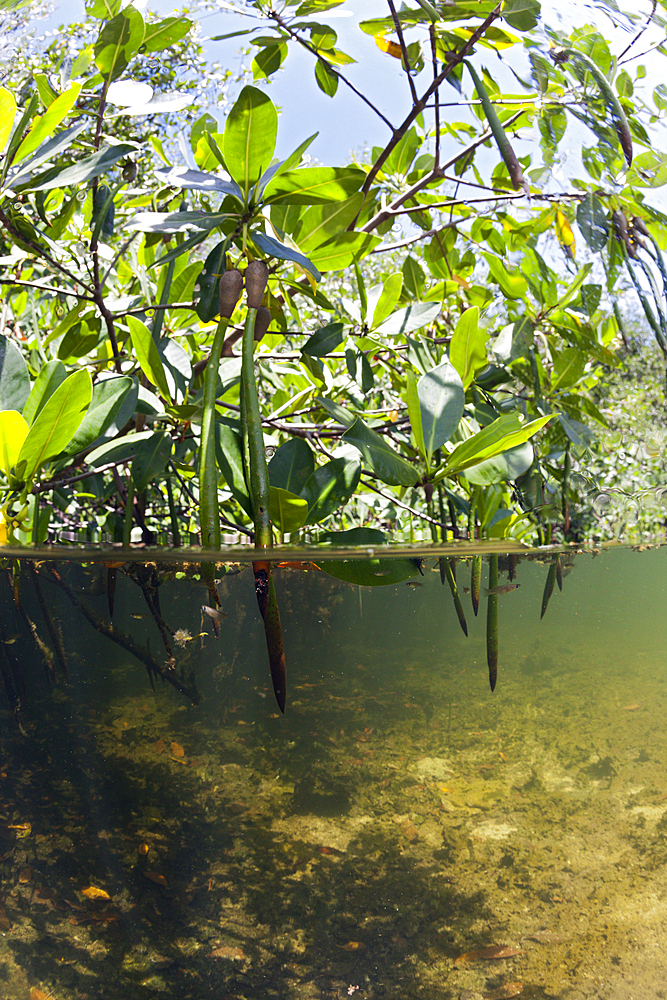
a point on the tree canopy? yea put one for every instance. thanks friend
(200, 342)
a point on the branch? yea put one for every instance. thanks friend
(294, 35)
(458, 201)
(403, 506)
(401, 41)
(641, 31)
(436, 173)
(46, 288)
(419, 105)
(19, 238)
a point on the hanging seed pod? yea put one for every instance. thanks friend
(640, 226)
(256, 277)
(231, 286)
(262, 322)
(614, 106)
(499, 134)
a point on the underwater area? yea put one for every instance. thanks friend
(401, 831)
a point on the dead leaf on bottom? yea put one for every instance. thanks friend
(92, 892)
(158, 879)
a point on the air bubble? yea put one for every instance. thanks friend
(604, 503)
(653, 446)
(632, 511)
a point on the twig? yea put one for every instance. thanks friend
(404, 50)
(434, 57)
(40, 253)
(419, 105)
(403, 506)
(436, 174)
(311, 48)
(142, 653)
(45, 288)
(117, 258)
(641, 31)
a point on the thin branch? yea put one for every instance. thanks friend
(38, 250)
(435, 174)
(117, 258)
(641, 31)
(434, 57)
(46, 288)
(419, 105)
(311, 48)
(458, 201)
(403, 506)
(157, 305)
(404, 50)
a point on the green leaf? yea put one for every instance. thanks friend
(150, 459)
(504, 433)
(389, 296)
(441, 401)
(198, 180)
(379, 457)
(148, 355)
(79, 340)
(118, 40)
(46, 151)
(467, 349)
(414, 410)
(359, 368)
(592, 221)
(329, 487)
(250, 137)
(411, 318)
(108, 397)
(272, 247)
(7, 114)
(282, 166)
(326, 78)
(119, 450)
(205, 123)
(316, 7)
(46, 124)
(229, 456)
(84, 171)
(343, 250)
(13, 432)
(322, 222)
(369, 572)
(207, 304)
(292, 465)
(50, 377)
(288, 512)
(568, 368)
(511, 281)
(522, 15)
(57, 423)
(14, 378)
(162, 34)
(505, 467)
(324, 340)
(176, 222)
(314, 185)
(270, 57)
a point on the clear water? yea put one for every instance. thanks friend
(398, 817)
